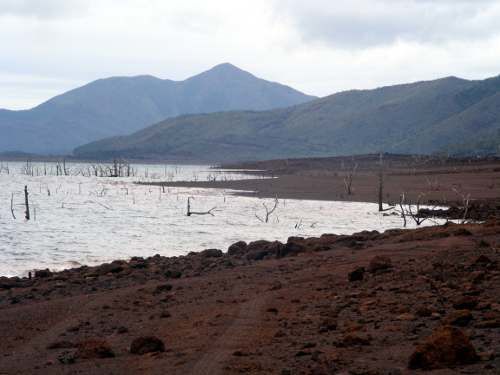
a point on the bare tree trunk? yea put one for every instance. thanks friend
(381, 184)
(12, 206)
(26, 203)
(401, 205)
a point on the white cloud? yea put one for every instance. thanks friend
(318, 46)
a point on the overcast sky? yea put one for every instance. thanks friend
(317, 46)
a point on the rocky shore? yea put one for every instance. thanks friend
(369, 303)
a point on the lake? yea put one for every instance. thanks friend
(81, 219)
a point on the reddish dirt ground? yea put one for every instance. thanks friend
(266, 308)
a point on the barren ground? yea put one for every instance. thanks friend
(265, 309)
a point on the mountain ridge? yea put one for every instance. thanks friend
(420, 117)
(120, 105)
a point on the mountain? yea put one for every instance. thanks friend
(448, 114)
(121, 105)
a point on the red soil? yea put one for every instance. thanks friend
(268, 308)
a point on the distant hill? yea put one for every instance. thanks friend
(448, 114)
(121, 105)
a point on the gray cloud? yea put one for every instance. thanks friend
(318, 46)
(366, 23)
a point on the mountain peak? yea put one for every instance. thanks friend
(225, 71)
(226, 67)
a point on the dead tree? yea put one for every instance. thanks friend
(401, 207)
(190, 213)
(12, 206)
(269, 211)
(348, 179)
(380, 183)
(465, 204)
(412, 210)
(26, 203)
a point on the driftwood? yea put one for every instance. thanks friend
(190, 213)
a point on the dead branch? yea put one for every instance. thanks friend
(269, 211)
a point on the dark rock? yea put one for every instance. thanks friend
(446, 347)
(121, 330)
(173, 274)
(293, 246)
(489, 324)
(423, 312)
(43, 273)
(328, 325)
(379, 263)
(237, 248)
(357, 274)
(147, 344)
(212, 253)
(138, 264)
(466, 303)
(67, 357)
(258, 250)
(257, 255)
(6, 283)
(115, 267)
(462, 232)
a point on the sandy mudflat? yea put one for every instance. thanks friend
(324, 179)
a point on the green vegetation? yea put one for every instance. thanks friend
(449, 114)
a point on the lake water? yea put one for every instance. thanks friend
(78, 220)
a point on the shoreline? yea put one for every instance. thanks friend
(429, 180)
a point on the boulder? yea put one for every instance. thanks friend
(379, 263)
(258, 250)
(293, 246)
(357, 274)
(446, 347)
(212, 253)
(147, 344)
(43, 273)
(237, 248)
